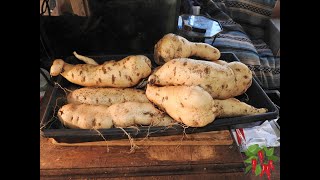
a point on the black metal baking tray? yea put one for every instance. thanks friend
(54, 98)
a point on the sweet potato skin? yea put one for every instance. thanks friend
(106, 96)
(232, 107)
(243, 77)
(86, 116)
(172, 46)
(133, 113)
(191, 105)
(124, 73)
(222, 81)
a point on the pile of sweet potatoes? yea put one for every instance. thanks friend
(181, 90)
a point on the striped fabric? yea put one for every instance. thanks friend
(247, 46)
(251, 14)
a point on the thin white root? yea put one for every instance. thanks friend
(247, 97)
(85, 59)
(184, 130)
(133, 146)
(184, 134)
(53, 115)
(64, 89)
(148, 133)
(103, 139)
(134, 127)
(55, 107)
(44, 125)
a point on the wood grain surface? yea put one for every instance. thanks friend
(65, 162)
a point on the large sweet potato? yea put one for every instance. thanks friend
(106, 96)
(221, 81)
(195, 107)
(191, 105)
(124, 73)
(86, 116)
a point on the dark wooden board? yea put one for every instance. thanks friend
(116, 161)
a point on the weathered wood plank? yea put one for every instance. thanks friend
(116, 161)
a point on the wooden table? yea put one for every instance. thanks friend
(63, 161)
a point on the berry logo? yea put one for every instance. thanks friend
(260, 160)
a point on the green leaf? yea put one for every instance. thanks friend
(257, 150)
(258, 170)
(248, 153)
(253, 149)
(250, 158)
(248, 169)
(265, 149)
(273, 158)
(270, 152)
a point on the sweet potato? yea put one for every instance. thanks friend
(86, 116)
(106, 96)
(221, 80)
(232, 107)
(172, 46)
(191, 105)
(124, 73)
(194, 107)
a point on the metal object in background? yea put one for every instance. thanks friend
(196, 10)
(197, 27)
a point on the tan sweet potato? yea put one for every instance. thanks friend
(232, 107)
(194, 107)
(86, 116)
(124, 73)
(191, 105)
(106, 96)
(221, 80)
(172, 46)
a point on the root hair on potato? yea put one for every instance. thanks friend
(184, 130)
(148, 133)
(51, 121)
(135, 127)
(64, 89)
(133, 146)
(105, 140)
(184, 134)
(246, 98)
(56, 105)
(53, 118)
